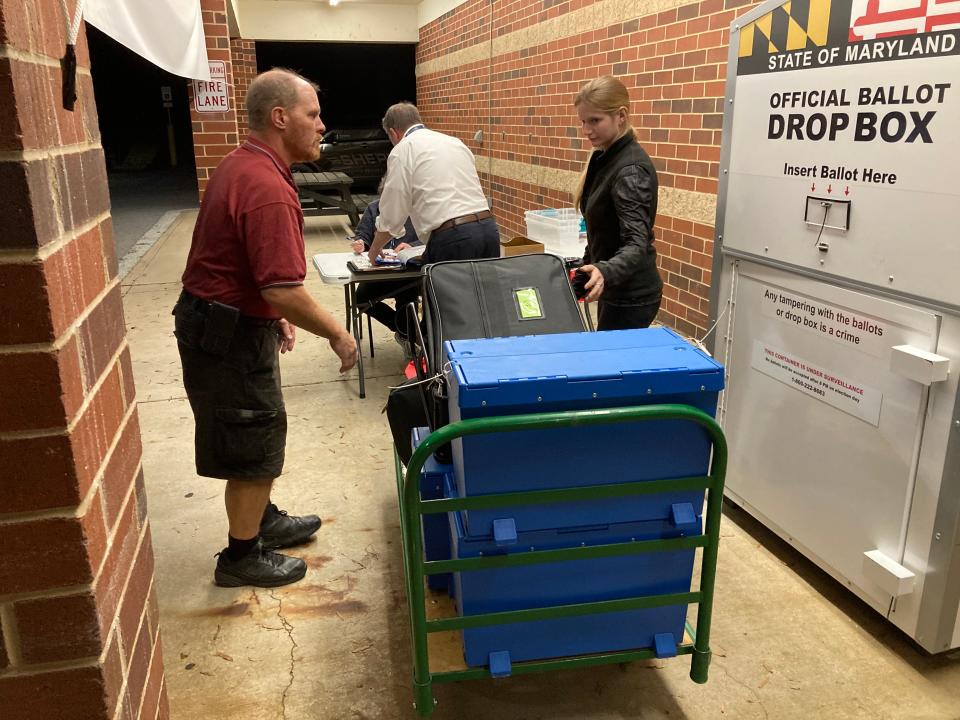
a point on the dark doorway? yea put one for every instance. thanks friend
(147, 138)
(358, 81)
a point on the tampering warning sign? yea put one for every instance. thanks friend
(212, 96)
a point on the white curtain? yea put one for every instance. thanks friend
(168, 33)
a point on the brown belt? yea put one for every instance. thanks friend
(463, 220)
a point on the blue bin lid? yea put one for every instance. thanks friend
(620, 364)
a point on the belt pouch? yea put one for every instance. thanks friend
(220, 327)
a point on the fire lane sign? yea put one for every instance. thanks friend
(211, 96)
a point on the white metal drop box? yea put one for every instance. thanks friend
(836, 295)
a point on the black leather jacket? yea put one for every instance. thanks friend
(619, 204)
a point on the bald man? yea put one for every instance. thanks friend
(242, 300)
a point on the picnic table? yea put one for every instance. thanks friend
(315, 190)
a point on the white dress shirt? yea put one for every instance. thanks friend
(431, 178)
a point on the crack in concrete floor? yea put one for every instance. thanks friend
(288, 627)
(746, 687)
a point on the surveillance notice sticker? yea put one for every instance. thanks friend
(846, 394)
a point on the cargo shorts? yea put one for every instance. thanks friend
(236, 397)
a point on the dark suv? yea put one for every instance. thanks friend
(361, 153)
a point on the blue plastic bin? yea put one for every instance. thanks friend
(436, 529)
(577, 581)
(579, 371)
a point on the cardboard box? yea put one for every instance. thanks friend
(519, 245)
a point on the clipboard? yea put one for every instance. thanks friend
(374, 269)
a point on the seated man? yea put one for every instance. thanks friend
(400, 290)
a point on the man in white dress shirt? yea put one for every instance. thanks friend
(432, 179)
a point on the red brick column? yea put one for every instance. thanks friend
(216, 134)
(79, 637)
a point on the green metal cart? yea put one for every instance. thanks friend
(416, 568)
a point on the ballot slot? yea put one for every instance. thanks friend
(827, 213)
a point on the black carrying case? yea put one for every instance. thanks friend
(465, 299)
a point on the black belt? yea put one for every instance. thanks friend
(463, 220)
(203, 306)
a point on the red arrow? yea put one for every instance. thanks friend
(830, 188)
(813, 187)
(846, 190)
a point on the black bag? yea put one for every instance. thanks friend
(405, 411)
(407, 404)
(465, 299)
(496, 297)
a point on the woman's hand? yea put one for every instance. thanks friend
(401, 246)
(593, 286)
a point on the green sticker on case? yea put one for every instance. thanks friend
(528, 300)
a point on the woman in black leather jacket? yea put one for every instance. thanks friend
(618, 199)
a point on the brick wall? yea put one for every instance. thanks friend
(244, 56)
(512, 68)
(216, 134)
(79, 637)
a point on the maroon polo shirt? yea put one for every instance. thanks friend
(249, 234)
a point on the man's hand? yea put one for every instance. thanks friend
(297, 307)
(286, 336)
(357, 246)
(380, 239)
(401, 246)
(346, 349)
(593, 286)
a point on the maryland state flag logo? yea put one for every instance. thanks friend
(796, 25)
(804, 27)
(873, 19)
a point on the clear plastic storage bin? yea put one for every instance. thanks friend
(557, 229)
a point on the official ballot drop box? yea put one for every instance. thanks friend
(837, 298)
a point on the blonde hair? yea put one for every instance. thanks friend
(607, 95)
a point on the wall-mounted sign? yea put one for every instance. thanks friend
(212, 96)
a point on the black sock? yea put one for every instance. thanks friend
(237, 549)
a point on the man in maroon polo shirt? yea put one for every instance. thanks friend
(242, 300)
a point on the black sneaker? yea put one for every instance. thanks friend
(260, 568)
(279, 530)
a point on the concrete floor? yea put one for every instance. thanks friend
(140, 198)
(788, 641)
